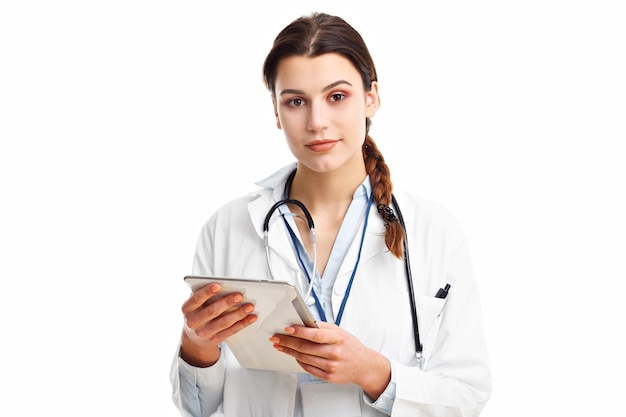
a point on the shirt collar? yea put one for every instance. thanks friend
(364, 190)
(277, 181)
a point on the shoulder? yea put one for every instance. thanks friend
(417, 206)
(254, 204)
(238, 207)
(426, 216)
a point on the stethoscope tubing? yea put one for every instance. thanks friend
(311, 225)
(409, 278)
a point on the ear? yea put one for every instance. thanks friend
(372, 100)
(278, 125)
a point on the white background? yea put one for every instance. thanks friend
(124, 124)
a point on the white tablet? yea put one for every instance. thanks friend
(277, 304)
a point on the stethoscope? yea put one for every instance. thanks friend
(312, 271)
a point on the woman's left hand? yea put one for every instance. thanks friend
(333, 355)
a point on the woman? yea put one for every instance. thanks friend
(362, 360)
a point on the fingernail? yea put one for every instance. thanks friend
(274, 339)
(290, 330)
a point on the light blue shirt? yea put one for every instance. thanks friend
(350, 229)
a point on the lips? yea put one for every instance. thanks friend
(323, 145)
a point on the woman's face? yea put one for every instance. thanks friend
(321, 106)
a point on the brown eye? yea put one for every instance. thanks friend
(337, 97)
(296, 102)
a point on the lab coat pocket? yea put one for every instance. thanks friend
(429, 312)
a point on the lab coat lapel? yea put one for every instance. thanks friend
(278, 238)
(373, 245)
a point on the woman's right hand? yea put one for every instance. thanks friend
(209, 321)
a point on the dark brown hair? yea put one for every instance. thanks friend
(318, 34)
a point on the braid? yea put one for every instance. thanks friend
(382, 188)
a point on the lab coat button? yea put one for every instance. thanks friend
(339, 290)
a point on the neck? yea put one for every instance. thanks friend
(326, 191)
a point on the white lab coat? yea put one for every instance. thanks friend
(455, 377)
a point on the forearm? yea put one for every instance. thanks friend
(198, 355)
(376, 375)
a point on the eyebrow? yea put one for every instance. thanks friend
(328, 87)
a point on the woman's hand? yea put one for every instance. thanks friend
(332, 354)
(210, 318)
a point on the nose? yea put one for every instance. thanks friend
(318, 117)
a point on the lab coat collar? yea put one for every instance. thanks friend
(277, 180)
(273, 190)
(259, 204)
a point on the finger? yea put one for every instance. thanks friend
(295, 346)
(225, 308)
(236, 327)
(198, 298)
(227, 325)
(317, 366)
(225, 315)
(326, 334)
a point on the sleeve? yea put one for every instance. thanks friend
(203, 260)
(385, 401)
(455, 378)
(199, 392)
